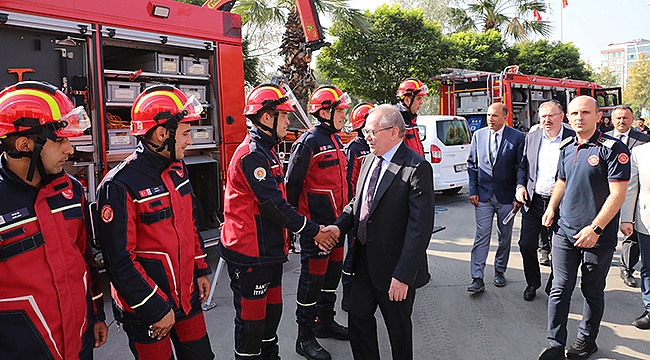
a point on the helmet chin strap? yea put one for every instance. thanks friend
(170, 143)
(329, 122)
(36, 162)
(273, 130)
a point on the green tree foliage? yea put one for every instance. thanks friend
(552, 59)
(479, 51)
(251, 66)
(637, 88)
(401, 44)
(513, 18)
(603, 76)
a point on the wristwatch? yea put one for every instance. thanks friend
(597, 229)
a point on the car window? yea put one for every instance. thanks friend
(453, 132)
(422, 131)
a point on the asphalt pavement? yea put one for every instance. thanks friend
(448, 322)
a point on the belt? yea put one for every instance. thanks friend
(543, 197)
(21, 246)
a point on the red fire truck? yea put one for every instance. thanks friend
(104, 53)
(468, 93)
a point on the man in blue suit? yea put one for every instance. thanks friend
(492, 164)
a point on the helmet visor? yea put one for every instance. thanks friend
(423, 90)
(76, 121)
(193, 107)
(344, 101)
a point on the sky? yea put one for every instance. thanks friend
(590, 24)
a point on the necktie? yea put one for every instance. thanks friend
(620, 137)
(367, 201)
(494, 148)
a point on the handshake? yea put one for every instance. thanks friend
(327, 237)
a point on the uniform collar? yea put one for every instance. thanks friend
(263, 138)
(152, 158)
(325, 129)
(592, 140)
(8, 175)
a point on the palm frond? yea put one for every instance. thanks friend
(260, 12)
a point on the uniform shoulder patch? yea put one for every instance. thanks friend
(608, 143)
(259, 173)
(107, 214)
(623, 158)
(566, 142)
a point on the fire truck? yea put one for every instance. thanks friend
(468, 93)
(103, 54)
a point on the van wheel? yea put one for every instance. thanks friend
(451, 192)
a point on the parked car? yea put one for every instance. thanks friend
(446, 142)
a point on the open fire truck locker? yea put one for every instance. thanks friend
(104, 53)
(468, 93)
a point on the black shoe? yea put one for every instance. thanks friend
(272, 357)
(477, 286)
(311, 349)
(552, 353)
(500, 280)
(581, 349)
(643, 321)
(530, 293)
(628, 279)
(331, 329)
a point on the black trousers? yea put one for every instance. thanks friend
(630, 253)
(362, 323)
(531, 229)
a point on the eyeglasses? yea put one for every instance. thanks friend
(374, 133)
(549, 116)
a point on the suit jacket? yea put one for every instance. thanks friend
(400, 220)
(500, 178)
(527, 170)
(636, 207)
(635, 138)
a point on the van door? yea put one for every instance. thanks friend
(453, 138)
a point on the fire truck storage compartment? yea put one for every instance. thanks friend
(472, 102)
(203, 171)
(193, 66)
(147, 61)
(199, 92)
(122, 92)
(121, 139)
(54, 57)
(202, 134)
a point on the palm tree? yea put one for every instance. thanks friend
(513, 18)
(263, 15)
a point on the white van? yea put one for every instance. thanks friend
(446, 141)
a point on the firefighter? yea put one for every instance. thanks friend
(410, 95)
(355, 151)
(51, 304)
(317, 187)
(255, 194)
(150, 236)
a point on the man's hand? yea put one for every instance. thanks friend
(101, 333)
(627, 228)
(326, 239)
(204, 288)
(398, 290)
(515, 206)
(586, 238)
(521, 195)
(547, 218)
(333, 228)
(160, 329)
(473, 199)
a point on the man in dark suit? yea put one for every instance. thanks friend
(392, 228)
(535, 180)
(492, 162)
(622, 119)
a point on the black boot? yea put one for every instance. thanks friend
(327, 327)
(307, 346)
(274, 356)
(345, 301)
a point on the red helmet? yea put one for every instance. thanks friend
(29, 107)
(359, 115)
(158, 103)
(326, 97)
(268, 96)
(411, 87)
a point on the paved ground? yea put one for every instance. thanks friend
(449, 324)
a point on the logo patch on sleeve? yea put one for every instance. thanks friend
(593, 160)
(107, 214)
(259, 173)
(623, 158)
(68, 194)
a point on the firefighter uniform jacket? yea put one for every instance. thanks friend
(255, 207)
(150, 237)
(50, 291)
(412, 135)
(355, 151)
(316, 176)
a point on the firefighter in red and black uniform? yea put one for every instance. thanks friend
(355, 151)
(149, 233)
(410, 95)
(317, 186)
(51, 304)
(254, 241)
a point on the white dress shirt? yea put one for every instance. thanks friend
(547, 159)
(624, 138)
(388, 156)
